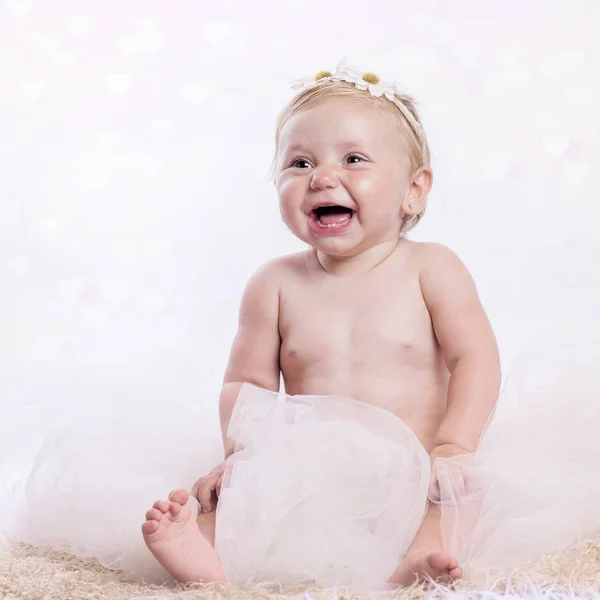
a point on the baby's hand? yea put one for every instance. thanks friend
(453, 486)
(208, 488)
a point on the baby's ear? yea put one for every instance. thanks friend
(416, 196)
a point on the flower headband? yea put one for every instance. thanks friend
(365, 81)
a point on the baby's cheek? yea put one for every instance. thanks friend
(365, 184)
(286, 213)
(286, 199)
(289, 206)
(372, 189)
(288, 192)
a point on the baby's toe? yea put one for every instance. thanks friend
(162, 505)
(154, 514)
(180, 496)
(439, 561)
(150, 527)
(175, 509)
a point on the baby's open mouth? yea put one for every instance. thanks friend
(332, 216)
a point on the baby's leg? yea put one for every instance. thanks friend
(426, 558)
(182, 544)
(207, 525)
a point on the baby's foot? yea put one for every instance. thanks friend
(439, 566)
(172, 535)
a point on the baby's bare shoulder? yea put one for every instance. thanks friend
(276, 273)
(282, 267)
(429, 249)
(433, 257)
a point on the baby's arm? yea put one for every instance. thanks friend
(468, 345)
(254, 356)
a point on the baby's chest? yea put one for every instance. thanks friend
(320, 327)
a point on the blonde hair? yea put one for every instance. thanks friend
(415, 142)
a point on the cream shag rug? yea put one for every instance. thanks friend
(29, 573)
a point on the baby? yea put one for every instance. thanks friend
(363, 313)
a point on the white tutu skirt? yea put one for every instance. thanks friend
(324, 488)
(533, 487)
(96, 471)
(321, 488)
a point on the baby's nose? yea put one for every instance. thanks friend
(323, 178)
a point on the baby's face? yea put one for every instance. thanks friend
(342, 175)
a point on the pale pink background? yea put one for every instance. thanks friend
(135, 138)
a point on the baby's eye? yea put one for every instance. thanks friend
(299, 163)
(351, 156)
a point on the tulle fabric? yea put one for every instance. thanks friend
(533, 487)
(321, 488)
(96, 472)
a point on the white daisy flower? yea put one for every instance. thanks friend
(307, 82)
(362, 80)
(347, 72)
(303, 84)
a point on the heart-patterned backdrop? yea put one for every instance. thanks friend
(136, 138)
